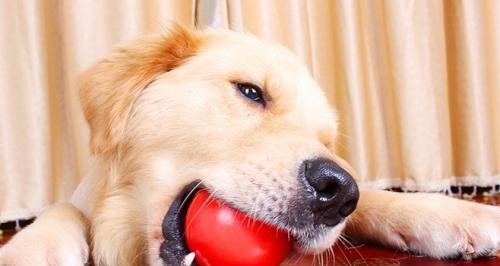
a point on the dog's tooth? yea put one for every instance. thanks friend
(188, 259)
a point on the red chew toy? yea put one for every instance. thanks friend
(222, 236)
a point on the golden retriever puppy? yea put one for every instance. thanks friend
(245, 120)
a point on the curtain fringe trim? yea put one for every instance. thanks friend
(23, 214)
(441, 185)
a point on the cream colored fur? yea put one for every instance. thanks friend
(163, 112)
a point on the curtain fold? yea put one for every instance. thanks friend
(44, 45)
(415, 83)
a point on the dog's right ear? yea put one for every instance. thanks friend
(109, 88)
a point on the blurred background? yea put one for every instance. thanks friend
(416, 83)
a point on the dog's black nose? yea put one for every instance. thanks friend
(335, 192)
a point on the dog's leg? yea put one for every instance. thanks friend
(57, 237)
(429, 224)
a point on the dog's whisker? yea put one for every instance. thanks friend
(248, 217)
(345, 240)
(253, 212)
(207, 201)
(260, 227)
(345, 256)
(330, 250)
(257, 202)
(189, 194)
(297, 257)
(343, 244)
(139, 255)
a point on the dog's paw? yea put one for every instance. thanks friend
(443, 227)
(57, 237)
(32, 247)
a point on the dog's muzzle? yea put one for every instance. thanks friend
(328, 195)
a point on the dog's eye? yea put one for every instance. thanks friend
(251, 91)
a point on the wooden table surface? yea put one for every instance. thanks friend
(368, 255)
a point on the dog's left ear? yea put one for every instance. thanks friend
(109, 88)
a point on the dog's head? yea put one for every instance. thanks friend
(242, 116)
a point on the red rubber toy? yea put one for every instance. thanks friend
(222, 236)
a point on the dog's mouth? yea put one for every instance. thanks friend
(174, 249)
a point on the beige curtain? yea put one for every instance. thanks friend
(415, 83)
(44, 44)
